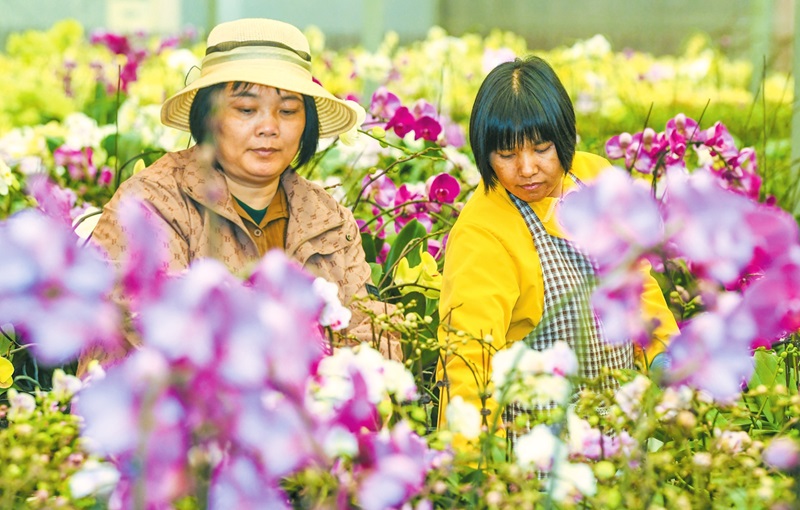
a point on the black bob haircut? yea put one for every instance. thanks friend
(201, 116)
(521, 101)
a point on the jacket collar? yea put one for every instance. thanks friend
(205, 184)
(312, 211)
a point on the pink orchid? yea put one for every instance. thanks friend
(403, 122)
(719, 139)
(423, 108)
(384, 104)
(381, 190)
(426, 128)
(442, 189)
(411, 207)
(775, 300)
(54, 201)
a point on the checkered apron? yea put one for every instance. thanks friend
(569, 278)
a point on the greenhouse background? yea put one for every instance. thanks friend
(133, 377)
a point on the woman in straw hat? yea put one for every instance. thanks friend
(256, 115)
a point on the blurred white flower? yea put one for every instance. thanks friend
(83, 131)
(382, 378)
(20, 404)
(372, 66)
(333, 315)
(504, 362)
(351, 136)
(674, 400)
(64, 385)
(95, 477)
(573, 481)
(629, 396)
(183, 60)
(544, 389)
(539, 449)
(595, 47)
(339, 442)
(399, 381)
(733, 441)
(463, 418)
(560, 359)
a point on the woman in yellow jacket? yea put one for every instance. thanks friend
(507, 264)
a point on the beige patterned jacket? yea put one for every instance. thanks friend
(192, 198)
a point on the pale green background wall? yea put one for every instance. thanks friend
(657, 26)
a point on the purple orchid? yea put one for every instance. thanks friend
(712, 352)
(143, 269)
(615, 220)
(239, 482)
(423, 108)
(617, 303)
(454, 135)
(396, 464)
(705, 224)
(54, 291)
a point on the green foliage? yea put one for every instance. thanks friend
(41, 450)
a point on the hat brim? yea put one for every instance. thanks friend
(335, 115)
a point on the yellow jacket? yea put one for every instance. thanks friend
(492, 283)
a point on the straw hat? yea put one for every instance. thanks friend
(266, 52)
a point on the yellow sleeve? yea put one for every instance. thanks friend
(654, 306)
(479, 290)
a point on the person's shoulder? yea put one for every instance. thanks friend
(587, 166)
(299, 188)
(484, 206)
(166, 170)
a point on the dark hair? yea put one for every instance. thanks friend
(201, 115)
(521, 101)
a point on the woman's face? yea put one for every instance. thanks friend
(531, 172)
(257, 132)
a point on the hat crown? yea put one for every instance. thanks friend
(258, 29)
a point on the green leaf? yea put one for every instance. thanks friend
(412, 231)
(53, 143)
(369, 247)
(377, 273)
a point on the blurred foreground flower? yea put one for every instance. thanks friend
(54, 292)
